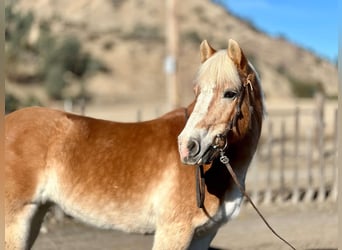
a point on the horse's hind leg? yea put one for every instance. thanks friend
(22, 225)
(23, 209)
(17, 226)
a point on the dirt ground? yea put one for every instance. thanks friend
(311, 226)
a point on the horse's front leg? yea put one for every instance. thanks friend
(203, 242)
(172, 235)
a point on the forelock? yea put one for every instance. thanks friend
(218, 70)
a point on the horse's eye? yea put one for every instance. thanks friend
(229, 94)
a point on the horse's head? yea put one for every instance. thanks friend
(229, 104)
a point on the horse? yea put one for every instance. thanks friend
(138, 177)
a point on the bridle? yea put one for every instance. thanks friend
(220, 145)
(220, 142)
(245, 90)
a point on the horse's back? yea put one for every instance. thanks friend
(37, 136)
(35, 123)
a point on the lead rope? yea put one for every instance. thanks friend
(224, 159)
(200, 186)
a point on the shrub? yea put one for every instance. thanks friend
(146, 33)
(304, 89)
(50, 58)
(12, 103)
(281, 69)
(60, 57)
(192, 36)
(32, 101)
(18, 27)
(55, 82)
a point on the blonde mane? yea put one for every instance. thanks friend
(264, 113)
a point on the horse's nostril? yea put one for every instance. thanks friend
(193, 147)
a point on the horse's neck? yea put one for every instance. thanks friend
(184, 112)
(217, 177)
(242, 151)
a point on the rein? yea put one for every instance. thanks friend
(219, 145)
(224, 159)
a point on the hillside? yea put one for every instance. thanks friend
(129, 39)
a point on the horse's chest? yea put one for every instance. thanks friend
(229, 209)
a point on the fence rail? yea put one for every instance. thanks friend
(296, 160)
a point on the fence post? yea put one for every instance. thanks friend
(334, 188)
(157, 112)
(281, 195)
(268, 192)
(320, 145)
(310, 190)
(82, 105)
(295, 195)
(256, 188)
(68, 105)
(139, 115)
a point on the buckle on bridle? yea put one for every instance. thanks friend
(220, 145)
(220, 142)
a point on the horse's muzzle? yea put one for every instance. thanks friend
(195, 154)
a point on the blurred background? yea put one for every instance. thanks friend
(134, 60)
(116, 52)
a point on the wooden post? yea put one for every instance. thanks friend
(171, 56)
(157, 112)
(310, 141)
(256, 188)
(268, 192)
(68, 105)
(295, 195)
(320, 146)
(139, 115)
(334, 192)
(282, 163)
(82, 105)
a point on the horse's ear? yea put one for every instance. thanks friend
(235, 53)
(206, 51)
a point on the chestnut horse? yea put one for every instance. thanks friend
(133, 176)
